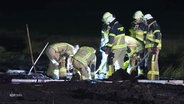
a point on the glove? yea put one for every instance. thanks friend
(154, 50)
(108, 50)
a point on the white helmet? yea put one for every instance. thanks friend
(108, 18)
(75, 49)
(138, 14)
(148, 16)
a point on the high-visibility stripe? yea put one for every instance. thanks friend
(109, 45)
(156, 31)
(121, 28)
(119, 46)
(83, 59)
(63, 69)
(111, 34)
(55, 46)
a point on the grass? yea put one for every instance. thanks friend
(172, 59)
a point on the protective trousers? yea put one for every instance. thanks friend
(103, 66)
(80, 69)
(115, 61)
(153, 67)
(141, 63)
(52, 54)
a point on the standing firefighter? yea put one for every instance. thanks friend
(84, 63)
(153, 46)
(104, 39)
(115, 47)
(138, 30)
(59, 54)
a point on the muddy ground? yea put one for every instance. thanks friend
(78, 92)
(88, 92)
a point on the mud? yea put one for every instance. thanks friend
(81, 92)
(88, 92)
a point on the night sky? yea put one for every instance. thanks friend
(83, 17)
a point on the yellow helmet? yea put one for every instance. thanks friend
(138, 14)
(107, 18)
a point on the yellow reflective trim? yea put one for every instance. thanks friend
(119, 46)
(157, 40)
(110, 71)
(63, 69)
(119, 39)
(109, 45)
(126, 63)
(111, 34)
(84, 58)
(156, 31)
(140, 71)
(55, 46)
(145, 32)
(121, 28)
(153, 63)
(153, 72)
(80, 59)
(149, 45)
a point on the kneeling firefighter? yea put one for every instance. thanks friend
(59, 54)
(84, 63)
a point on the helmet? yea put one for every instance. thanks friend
(75, 49)
(148, 16)
(108, 18)
(138, 14)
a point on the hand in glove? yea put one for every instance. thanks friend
(108, 50)
(154, 50)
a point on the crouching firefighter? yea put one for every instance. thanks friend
(84, 63)
(116, 46)
(153, 46)
(59, 54)
(134, 48)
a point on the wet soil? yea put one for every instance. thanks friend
(80, 92)
(88, 92)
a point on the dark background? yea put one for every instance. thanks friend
(83, 17)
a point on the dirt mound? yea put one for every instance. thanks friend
(90, 92)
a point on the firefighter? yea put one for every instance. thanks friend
(84, 63)
(153, 46)
(115, 47)
(134, 47)
(138, 30)
(103, 65)
(59, 54)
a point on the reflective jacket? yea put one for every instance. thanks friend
(138, 30)
(116, 36)
(63, 48)
(153, 37)
(85, 55)
(134, 45)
